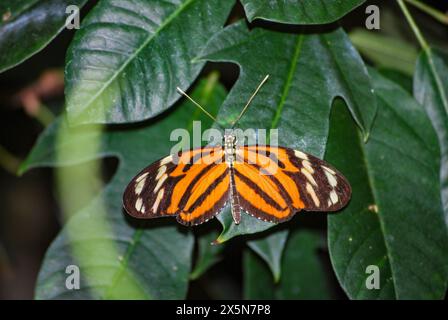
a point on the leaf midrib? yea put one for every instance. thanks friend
(170, 18)
(439, 84)
(377, 203)
(287, 86)
(123, 265)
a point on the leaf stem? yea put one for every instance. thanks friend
(436, 14)
(8, 161)
(413, 25)
(44, 115)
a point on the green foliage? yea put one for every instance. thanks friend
(209, 254)
(395, 218)
(385, 51)
(155, 256)
(325, 62)
(123, 66)
(299, 12)
(19, 19)
(431, 90)
(129, 56)
(303, 273)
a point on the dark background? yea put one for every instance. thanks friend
(30, 216)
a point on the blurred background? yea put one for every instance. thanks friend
(32, 94)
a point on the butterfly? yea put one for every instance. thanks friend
(268, 182)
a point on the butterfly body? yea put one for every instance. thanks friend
(230, 152)
(268, 182)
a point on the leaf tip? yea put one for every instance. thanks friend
(219, 240)
(277, 276)
(366, 136)
(23, 167)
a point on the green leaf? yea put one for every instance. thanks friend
(303, 274)
(385, 51)
(208, 254)
(299, 11)
(37, 21)
(270, 249)
(119, 258)
(395, 219)
(247, 225)
(402, 79)
(128, 57)
(310, 70)
(431, 90)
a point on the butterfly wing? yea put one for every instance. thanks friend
(193, 186)
(273, 183)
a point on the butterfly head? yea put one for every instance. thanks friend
(229, 139)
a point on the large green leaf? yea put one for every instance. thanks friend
(299, 11)
(128, 57)
(395, 218)
(120, 258)
(37, 21)
(431, 90)
(303, 274)
(310, 70)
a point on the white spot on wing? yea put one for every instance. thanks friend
(138, 204)
(329, 170)
(166, 160)
(140, 185)
(158, 199)
(309, 176)
(160, 182)
(161, 171)
(300, 154)
(331, 179)
(143, 176)
(308, 166)
(313, 195)
(334, 197)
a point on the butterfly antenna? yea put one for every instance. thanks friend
(196, 104)
(250, 100)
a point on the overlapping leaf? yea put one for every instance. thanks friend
(299, 11)
(37, 21)
(395, 218)
(151, 261)
(309, 72)
(129, 56)
(431, 90)
(385, 51)
(303, 274)
(270, 249)
(208, 255)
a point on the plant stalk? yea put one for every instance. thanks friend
(413, 25)
(436, 14)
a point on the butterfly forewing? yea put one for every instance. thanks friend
(193, 186)
(274, 183)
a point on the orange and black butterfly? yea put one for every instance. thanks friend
(268, 182)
